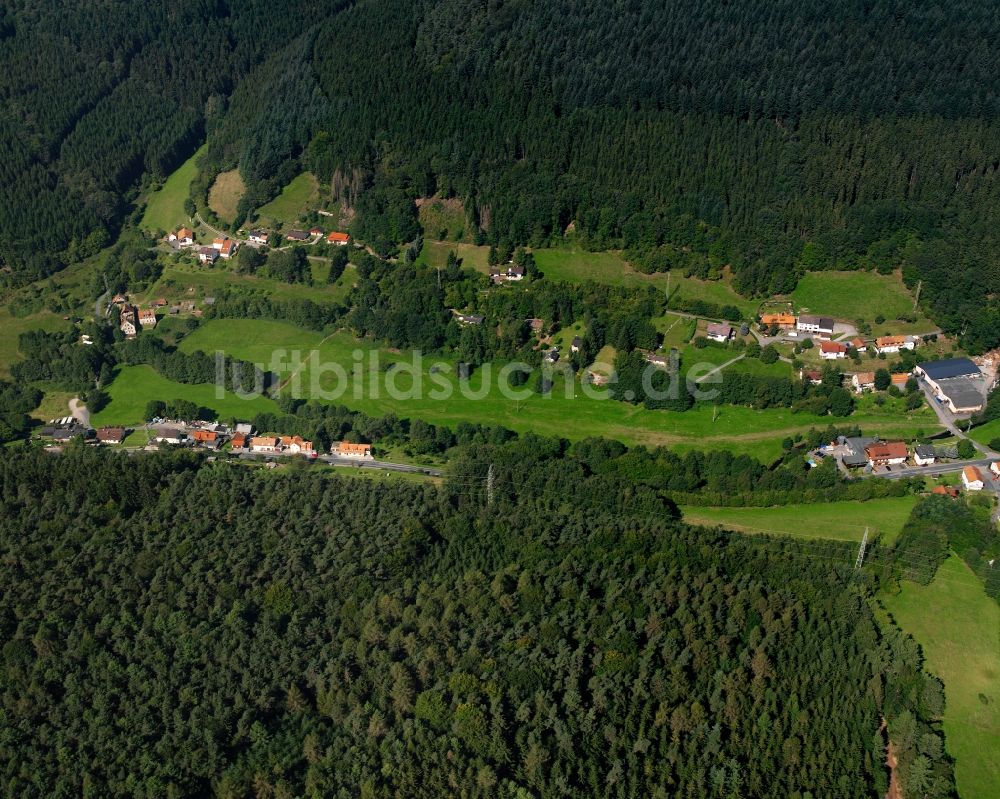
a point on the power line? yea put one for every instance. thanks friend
(861, 551)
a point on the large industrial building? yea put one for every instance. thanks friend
(956, 382)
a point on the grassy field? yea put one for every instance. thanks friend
(134, 386)
(567, 412)
(984, 433)
(11, 327)
(225, 194)
(54, 405)
(178, 280)
(435, 253)
(840, 521)
(165, 207)
(958, 629)
(295, 200)
(858, 295)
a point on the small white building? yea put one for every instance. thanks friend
(972, 479)
(257, 237)
(890, 345)
(265, 444)
(863, 381)
(924, 455)
(208, 255)
(820, 325)
(719, 331)
(832, 350)
(348, 449)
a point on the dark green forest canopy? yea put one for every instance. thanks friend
(171, 627)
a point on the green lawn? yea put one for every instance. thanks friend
(958, 628)
(165, 207)
(984, 433)
(841, 521)
(297, 198)
(854, 295)
(11, 328)
(435, 253)
(134, 386)
(570, 414)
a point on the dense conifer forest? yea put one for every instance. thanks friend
(775, 137)
(173, 627)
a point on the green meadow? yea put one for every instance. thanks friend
(11, 328)
(226, 193)
(569, 411)
(165, 206)
(858, 295)
(958, 628)
(295, 200)
(134, 386)
(839, 521)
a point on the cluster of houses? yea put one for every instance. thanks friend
(861, 451)
(132, 319)
(225, 247)
(503, 274)
(819, 326)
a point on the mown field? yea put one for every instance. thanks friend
(134, 386)
(858, 295)
(840, 521)
(165, 207)
(11, 327)
(958, 628)
(295, 199)
(346, 370)
(225, 194)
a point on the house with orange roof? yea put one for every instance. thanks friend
(785, 321)
(832, 350)
(296, 445)
(183, 237)
(238, 441)
(265, 444)
(893, 344)
(206, 438)
(886, 453)
(348, 449)
(899, 379)
(863, 381)
(972, 479)
(338, 238)
(859, 344)
(147, 317)
(225, 246)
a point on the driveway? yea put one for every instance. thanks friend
(79, 412)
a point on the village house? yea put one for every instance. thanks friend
(296, 235)
(813, 376)
(576, 344)
(822, 326)
(169, 435)
(469, 318)
(719, 331)
(348, 449)
(338, 238)
(924, 455)
(183, 237)
(863, 381)
(128, 321)
(995, 468)
(245, 428)
(257, 237)
(832, 350)
(893, 344)
(238, 441)
(209, 439)
(598, 378)
(899, 379)
(315, 231)
(536, 325)
(208, 255)
(948, 491)
(886, 453)
(296, 445)
(553, 355)
(111, 435)
(147, 317)
(510, 272)
(265, 444)
(657, 360)
(859, 344)
(972, 479)
(226, 247)
(783, 321)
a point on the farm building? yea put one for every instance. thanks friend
(956, 382)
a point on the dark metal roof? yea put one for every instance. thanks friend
(949, 367)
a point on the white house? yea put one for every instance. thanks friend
(719, 331)
(821, 325)
(995, 468)
(267, 444)
(832, 350)
(972, 479)
(257, 237)
(863, 381)
(208, 255)
(893, 344)
(296, 445)
(348, 449)
(183, 237)
(169, 435)
(147, 317)
(924, 455)
(128, 321)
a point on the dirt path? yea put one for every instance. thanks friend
(79, 412)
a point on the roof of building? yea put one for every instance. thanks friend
(719, 329)
(777, 319)
(264, 441)
(925, 451)
(962, 392)
(859, 343)
(336, 236)
(576, 342)
(949, 367)
(244, 427)
(257, 234)
(864, 378)
(890, 341)
(301, 443)
(297, 235)
(208, 252)
(822, 322)
(239, 440)
(855, 454)
(886, 450)
(169, 432)
(185, 233)
(351, 447)
(111, 434)
(205, 435)
(899, 378)
(147, 313)
(315, 231)
(832, 346)
(971, 473)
